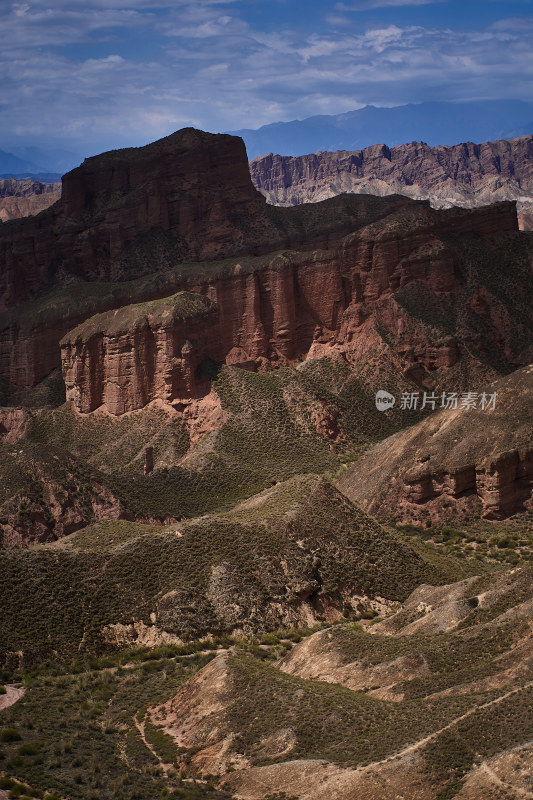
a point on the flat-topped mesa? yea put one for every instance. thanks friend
(126, 358)
(130, 212)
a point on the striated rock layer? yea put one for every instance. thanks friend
(26, 198)
(466, 175)
(277, 310)
(140, 213)
(10, 187)
(124, 359)
(130, 199)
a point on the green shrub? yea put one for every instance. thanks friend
(10, 735)
(28, 749)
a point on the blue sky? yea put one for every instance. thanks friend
(90, 75)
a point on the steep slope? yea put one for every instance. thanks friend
(47, 493)
(456, 463)
(295, 554)
(419, 710)
(465, 175)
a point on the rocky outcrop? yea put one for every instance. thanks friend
(124, 359)
(182, 215)
(129, 212)
(455, 463)
(279, 309)
(465, 175)
(10, 187)
(49, 493)
(140, 213)
(26, 198)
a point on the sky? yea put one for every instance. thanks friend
(91, 75)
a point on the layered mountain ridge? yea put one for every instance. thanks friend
(196, 601)
(465, 175)
(24, 198)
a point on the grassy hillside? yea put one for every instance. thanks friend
(295, 552)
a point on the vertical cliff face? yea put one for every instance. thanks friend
(192, 185)
(278, 309)
(131, 212)
(124, 359)
(182, 215)
(138, 213)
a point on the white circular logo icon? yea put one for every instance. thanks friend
(384, 400)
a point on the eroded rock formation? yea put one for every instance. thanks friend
(339, 277)
(465, 175)
(454, 463)
(26, 198)
(124, 359)
(140, 214)
(290, 306)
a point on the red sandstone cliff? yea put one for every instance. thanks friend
(466, 175)
(286, 283)
(141, 212)
(290, 306)
(124, 359)
(129, 212)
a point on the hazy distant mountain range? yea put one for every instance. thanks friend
(32, 162)
(433, 123)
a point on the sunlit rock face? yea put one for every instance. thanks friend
(465, 175)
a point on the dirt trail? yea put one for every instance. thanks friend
(13, 693)
(422, 742)
(508, 787)
(139, 724)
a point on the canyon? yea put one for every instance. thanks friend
(227, 571)
(465, 175)
(182, 215)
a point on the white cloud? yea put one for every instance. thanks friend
(208, 66)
